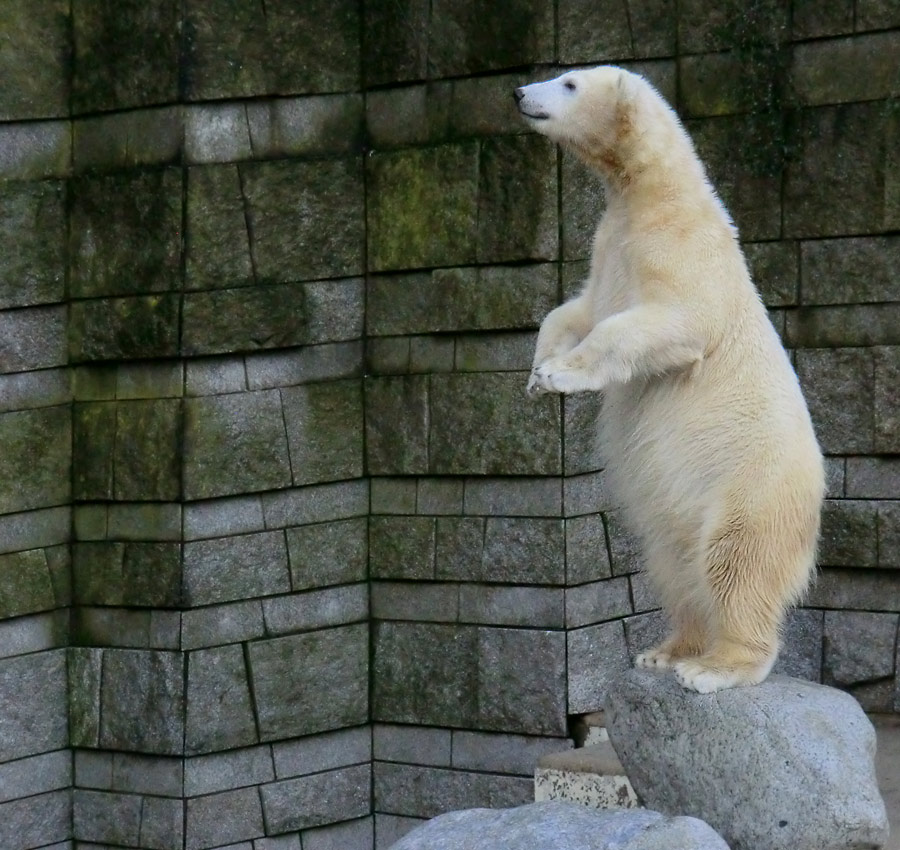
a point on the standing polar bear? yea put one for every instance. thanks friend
(711, 451)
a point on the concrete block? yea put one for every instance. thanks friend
(325, 751)
(288, 675)
(235, 568)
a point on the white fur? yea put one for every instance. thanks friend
(710, 448)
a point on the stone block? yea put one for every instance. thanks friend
(715, 84)
(517, 210)
(859, 647)
(839, 388)
(482, 106)
(32, 339)
(502, 549)
(316, 609)
(624, 547)
(775, 268)
(415, 791)
(810, 19)
(644, 631)
(801, 645)
(234, 444)
(37, 775)
(744, 160)
(306, 218)
(284, 49)
(127, 139)
(402, 547)
(512, 606)
(352, 835)
(35, 61)
(513, 497)
(33, 696)
(32, 236)
(125, 233)
(389, 829)
(138, 774)
(828, 71)
(409, 115)
(503, 352)
(142, 701)
(876, 14)
(328, 553)
(834, 477)
(851, 270)
(25, 583)
(111, 627)
(887, 400)
(597, 602)
(221, 517)
(325, 751)
(162, 823)
(889, 534)
(84, 673)
(439, 496)
(436, 603)
(30, 390)
(124, 328)
(583, 203)
(289, 674)
(518, 436)
(843, 326)
(507, 754)
(873, 477)
(836, 171)
(216, 133)
(225, 818)
(589, 35)
(398, 419)
(36, 457)
(325, 431)
(423, 206)
(144, 521)
(587, 558)
(596, 655)
(218, 243)
(343, 316)
(37, 821)
(35, 150)
(239, 567)
(316, 800)
(32, 529)
(125, 55)
(226, 771)
(219, 711)
(305, 126)
(396, 45)
(467, 39)
(318, 503)
(412, 745)
(388, 356)
(848, 537)
(581, 418)
(221, 624)
(147, 449)
(460, 299)
(855, 590)
(704, 25)
(26, 635)
(106, 817)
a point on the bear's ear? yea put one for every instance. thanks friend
(626, 88)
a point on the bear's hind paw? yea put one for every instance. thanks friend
(654, 659)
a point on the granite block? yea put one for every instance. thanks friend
(226, 771)
(316, 609)
(325, 751)
(398, 419)
(596, 654)
(223, 818)
(32, 339)
(412, 745)
(328, 553)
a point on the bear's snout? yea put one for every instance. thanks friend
(518, 94)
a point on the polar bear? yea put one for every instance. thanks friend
(710, 448)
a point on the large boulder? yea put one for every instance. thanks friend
(560, 826)
(784, 765)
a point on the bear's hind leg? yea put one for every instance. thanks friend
(686, 641)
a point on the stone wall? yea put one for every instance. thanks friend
(287, 559)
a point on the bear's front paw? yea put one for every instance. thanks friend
(555, 376)
(535, 386)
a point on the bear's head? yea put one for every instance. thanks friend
(591, 111)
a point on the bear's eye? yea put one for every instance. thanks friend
(569, 85)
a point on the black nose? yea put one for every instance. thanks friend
(518, 94)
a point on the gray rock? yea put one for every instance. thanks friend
(559, 826)
(780, 746)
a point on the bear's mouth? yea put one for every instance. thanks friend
(537, 116)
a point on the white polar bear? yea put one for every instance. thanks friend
(711, 451)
